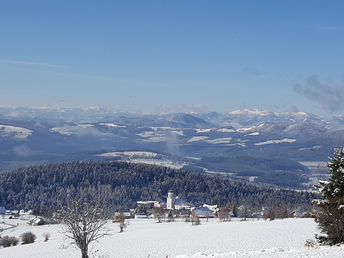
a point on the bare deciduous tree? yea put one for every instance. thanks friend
(223, 214)
(159, 213)
(270, 212)
(244, 211)
(85, 220)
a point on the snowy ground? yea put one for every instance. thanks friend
(146, 238)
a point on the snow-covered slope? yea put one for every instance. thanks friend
(146, 238)
(14, 131)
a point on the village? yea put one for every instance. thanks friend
(173, 208)
(178, 208)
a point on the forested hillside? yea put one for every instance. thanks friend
(44, 187)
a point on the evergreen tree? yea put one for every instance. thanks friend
(330, 215)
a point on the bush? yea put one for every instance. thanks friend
(14, 240)
(28, 238)
(310, 243)
(46, 236)
(7, 241)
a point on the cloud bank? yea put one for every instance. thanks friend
(329, 96)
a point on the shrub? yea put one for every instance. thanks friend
(46, 236)
(7, 241)
(310, 243)
(13, 240)
(28, 238)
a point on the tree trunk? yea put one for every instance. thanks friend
(84, 253)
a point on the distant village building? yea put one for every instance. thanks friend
(2, 211)
(148, 204)
(203, 212)
(25, 212)
(37, 221)
(297, 214)
(180, 204)
(170, 200)
(119, 216)
(145, 208)
(213, 208)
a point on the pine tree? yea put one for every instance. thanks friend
(330, 215)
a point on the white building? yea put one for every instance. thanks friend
(170, 200)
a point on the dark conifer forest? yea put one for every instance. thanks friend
(44, 187)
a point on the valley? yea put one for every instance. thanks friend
(251, 145)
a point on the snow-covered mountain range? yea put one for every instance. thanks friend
(261, 146)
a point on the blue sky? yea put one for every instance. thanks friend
(152, 56)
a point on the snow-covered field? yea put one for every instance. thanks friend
(146, 238)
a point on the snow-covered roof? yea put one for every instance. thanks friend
(203, 212)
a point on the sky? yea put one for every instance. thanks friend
(169, 56)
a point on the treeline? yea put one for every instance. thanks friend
(44, 187)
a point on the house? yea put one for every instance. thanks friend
(180, 204)
(297, 214)
(145, 208)
(213, 208)
(148, 204)
(37, 221)
(25, 212)
(119, 216)
(203, 212)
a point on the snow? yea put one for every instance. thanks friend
(212, 141)
(160, 162)
(225, 130)
(198, 138)
(112, 125)
(315, 147)
(220, 140)
(16, 132)
(146, 134)
(284, 140)
(194, 158)
(85, 125)
(253, 134)
(79, 129)
(146, 238)
(155, 139)
(163, 128)
(177, 132)
(152, 136)
(208, 130)
(245, 129)
(159, 137)
(314, 164)
(144, 154)
(62, 130)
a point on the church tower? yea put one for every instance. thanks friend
(170, 200)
